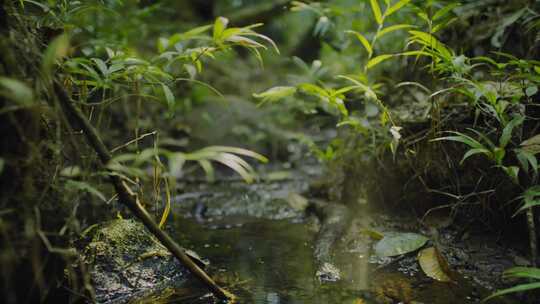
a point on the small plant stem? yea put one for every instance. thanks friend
(129, 198)
(532, 237)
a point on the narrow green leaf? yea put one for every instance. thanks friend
(393, 28)
(275, 93)
(444, 11)
(101, 66)
(374, 61)
(169, 96)
(394, 8)
(475, 151)
(376, 11)
(523, 272)
(518, 288)
(2, 164)
(362, 40)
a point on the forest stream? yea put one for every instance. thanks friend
(260, 246)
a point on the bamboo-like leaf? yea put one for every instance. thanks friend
(518, 288)
(169, 96)
(101, 66)
(219, 26)
(208, 169)
(393, 28)
(362, 40)
(275, 93)
(376, 11)
(462, 138)
(444, 11)
(430, 41)
(239, 151)
(374, 61)
(397, 6)
(472, 152)
(523, 272)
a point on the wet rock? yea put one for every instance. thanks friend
(125, 261)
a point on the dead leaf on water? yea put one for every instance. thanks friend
(434, 265)
(399, 243)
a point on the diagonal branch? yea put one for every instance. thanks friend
(129, 199)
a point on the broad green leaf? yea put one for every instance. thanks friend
(393, 28)
(57, 49)
(275, 93)
(394, 8)
(376, 11)
(169, 96)
(16, 91)
(362, 40)
(434, 265)
(399, 243)
(219, 26)
(518, 288)
(374, 61)
(530, 91)
(101, 66)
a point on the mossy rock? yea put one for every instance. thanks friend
(125, 261)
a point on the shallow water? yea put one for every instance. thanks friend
(263, 261)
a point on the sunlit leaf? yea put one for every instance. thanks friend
(393, 28)
(399, 243)
(275, 93)
(376, 11)
(397, 6)
(362, 40)
(376, 60)
(219, 26)
(434, 265)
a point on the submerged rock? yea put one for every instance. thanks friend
(125, 261)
